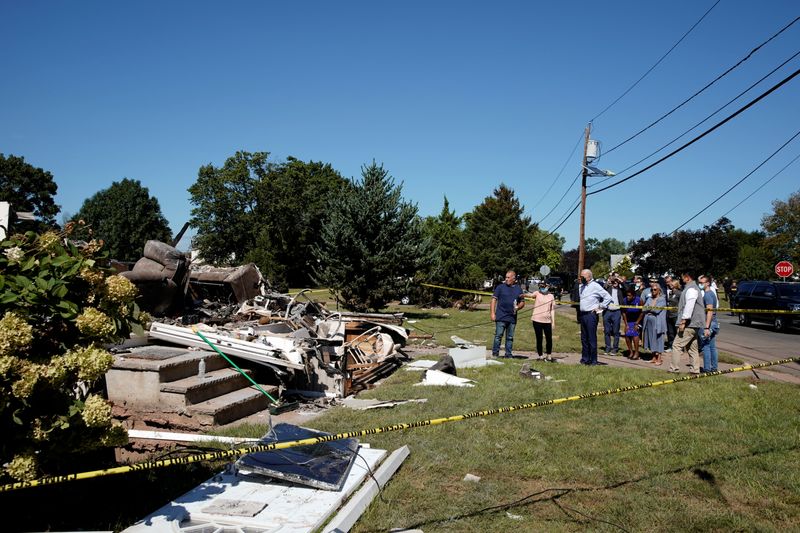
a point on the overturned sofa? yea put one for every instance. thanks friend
(161, 276)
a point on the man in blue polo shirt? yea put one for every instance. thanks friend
(506, 301)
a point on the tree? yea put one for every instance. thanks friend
(30, 189)
(712, 250)
(270, 213)
(782, 227)
(754, 263)
(501, 237)
(125, 217)
(293, 201)
(371, 242)
(226, 202)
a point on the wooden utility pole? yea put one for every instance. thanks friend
(584, 175)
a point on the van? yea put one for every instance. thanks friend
(769, 295)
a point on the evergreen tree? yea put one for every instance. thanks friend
(500, 237)
(125, 216)
(371, 243)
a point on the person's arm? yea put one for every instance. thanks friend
(691, 298)
(520, 303)
(553, 314)
(492, 307)
(710, 307)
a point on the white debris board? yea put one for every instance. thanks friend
(289, 508)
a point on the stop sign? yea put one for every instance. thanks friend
(784, 269)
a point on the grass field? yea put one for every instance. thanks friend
(709, 455)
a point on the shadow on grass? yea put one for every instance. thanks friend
(554, 494)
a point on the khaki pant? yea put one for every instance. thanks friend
(685, 341)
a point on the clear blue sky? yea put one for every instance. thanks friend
(452, 97)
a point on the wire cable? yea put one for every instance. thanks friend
(620, 97)
(562, 198)
(762, 185)
(711, 129)
(706, 119)
(542, 197)
(565, 219)
(715, 80)
(718, 198)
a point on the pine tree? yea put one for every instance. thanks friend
(371, 242)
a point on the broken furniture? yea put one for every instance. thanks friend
(161, 277)
(221, 284)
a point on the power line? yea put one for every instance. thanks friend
(762, 185)
(718, 198)
(620, 97)
(711, 129)
(560, 171)
(562, 197)
(729, 102)
(553, 230)
(715, 80)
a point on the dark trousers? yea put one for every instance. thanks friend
(546, 329)
(672, 330)
(611, 321)
(588, 337)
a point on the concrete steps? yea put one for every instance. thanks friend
(231, 406)
(160, 385)
(194, 389)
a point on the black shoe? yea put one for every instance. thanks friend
(598, 363)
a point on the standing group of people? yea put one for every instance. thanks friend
(637, 312)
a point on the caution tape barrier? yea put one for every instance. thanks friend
(724, 309)
(228, 454)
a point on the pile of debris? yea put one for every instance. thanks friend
(307, 347)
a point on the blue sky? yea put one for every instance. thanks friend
(452, 97)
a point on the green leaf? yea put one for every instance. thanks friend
(8, 298)
(27, 265)
(60, 291)
(41, 283)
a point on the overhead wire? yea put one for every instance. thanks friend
(697, 93)
(569, 188)
(706, 119)
(552, 230)
(762, 185)
(708, 131)
(718, 198)
(643, 76)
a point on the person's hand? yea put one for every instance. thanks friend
(599, 310)
(494, 318)
(681, 327)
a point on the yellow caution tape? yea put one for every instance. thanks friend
(725, 309)
(229, 454)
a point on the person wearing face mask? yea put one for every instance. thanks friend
(612, 318)
(707, 334)
(543, 319)
(690, 317)
(593, 300)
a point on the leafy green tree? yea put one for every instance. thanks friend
(226, 201)
(754, 262)
(371, 242)
(30, 189)
(293, 201)
(501, 237)
(712, 250)
(782, 228)
(125, 217)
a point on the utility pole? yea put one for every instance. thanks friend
(584, 175)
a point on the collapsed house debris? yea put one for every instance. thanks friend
(289, 341)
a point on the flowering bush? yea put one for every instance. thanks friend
(57, 305)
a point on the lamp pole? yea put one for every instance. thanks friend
(585, 174)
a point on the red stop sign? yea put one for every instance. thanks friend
(784, 269)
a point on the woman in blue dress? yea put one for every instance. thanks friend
(655, 324)
(632, 323)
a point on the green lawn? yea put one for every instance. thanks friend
(708, 455)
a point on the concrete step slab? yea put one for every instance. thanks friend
(231, 406)
(194, 389)
(181, 363)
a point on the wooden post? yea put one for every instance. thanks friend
(584, 174)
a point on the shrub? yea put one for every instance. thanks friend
(58, 304)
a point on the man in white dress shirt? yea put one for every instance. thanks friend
(594, 299)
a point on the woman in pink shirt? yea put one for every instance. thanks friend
(544, 319)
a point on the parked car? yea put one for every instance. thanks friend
(777, 295)
(556, 286)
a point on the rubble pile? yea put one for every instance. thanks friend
(308, 347)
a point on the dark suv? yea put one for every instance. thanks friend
(781, 296)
